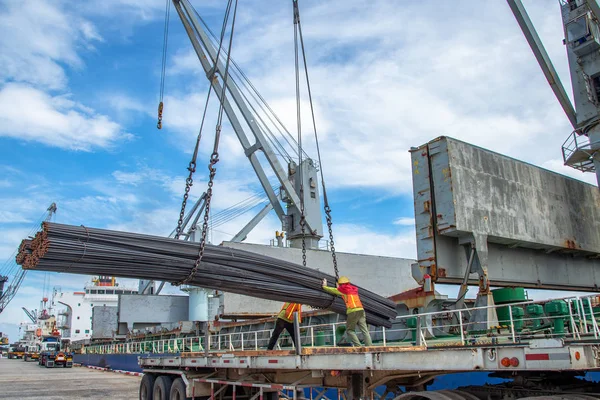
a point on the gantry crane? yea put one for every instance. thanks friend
(18, 274)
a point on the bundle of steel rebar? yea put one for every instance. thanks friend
(90, 251)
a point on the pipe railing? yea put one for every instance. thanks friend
(579, 319)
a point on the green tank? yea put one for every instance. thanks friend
(557, 310)
(507, 296)
(536, 313)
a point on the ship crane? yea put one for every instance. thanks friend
(14, 274)
(32, 315)
(582, 41)
(256, 126)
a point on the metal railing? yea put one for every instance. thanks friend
(578, 143)
(573, 318)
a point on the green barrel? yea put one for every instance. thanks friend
(339, 333)
(411, 323)
(509, 295)
(320, 338)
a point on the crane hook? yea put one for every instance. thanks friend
(160, 112)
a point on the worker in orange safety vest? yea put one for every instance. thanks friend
(355, 313)
(285, 320)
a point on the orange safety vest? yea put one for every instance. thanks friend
(352, 301)
(288, 310)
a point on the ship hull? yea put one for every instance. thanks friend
(120, 362)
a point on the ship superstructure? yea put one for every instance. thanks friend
(74, 320)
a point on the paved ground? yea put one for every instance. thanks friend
(27, 380)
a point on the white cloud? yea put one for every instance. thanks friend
(558, 166)
(43, 35)
(123, 103)
(404, 221)
(352, 238)
(8, 217)
(380, 89)
(40, 40)
(30, 114)
(9, 242)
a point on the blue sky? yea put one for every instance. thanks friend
(79, 89)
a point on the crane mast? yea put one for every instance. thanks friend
(289, 180)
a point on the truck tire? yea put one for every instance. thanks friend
(178, 390)
(147, 386)
(25, 358)
(162, 388)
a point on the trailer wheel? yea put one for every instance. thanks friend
(162, 387)
(25, 358)
(178, 390)
(147, 386)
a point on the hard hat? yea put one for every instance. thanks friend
(343, 279)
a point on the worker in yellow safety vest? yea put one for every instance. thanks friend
(355, 313)
(285, 320)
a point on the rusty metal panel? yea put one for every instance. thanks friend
(542, 228)
(423, 203)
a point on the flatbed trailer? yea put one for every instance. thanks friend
(12, 355)
(31, 356)
(359, 371)
(531, 363)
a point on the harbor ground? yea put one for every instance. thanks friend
(27, 380)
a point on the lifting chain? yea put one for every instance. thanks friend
(303, 228)
(214, 158)
(331, 243)
(189, 182)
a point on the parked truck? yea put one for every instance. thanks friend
(32, 352)
(15, 351)
(53, 353)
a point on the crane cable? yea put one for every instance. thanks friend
(189, 182)
(164, 63)
(214, 158)
(327, 208)
(299, 125)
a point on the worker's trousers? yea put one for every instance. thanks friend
(354, 319)
(280, 325)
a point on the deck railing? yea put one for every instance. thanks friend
(572, 318)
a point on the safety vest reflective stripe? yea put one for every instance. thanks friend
(290, 309)
(352, 301)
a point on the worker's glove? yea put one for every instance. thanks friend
(324, 281)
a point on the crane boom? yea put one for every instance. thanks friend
(543, 59)
(289, 181)
(30, 315)
(581, 27)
